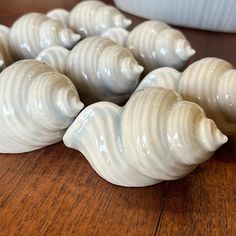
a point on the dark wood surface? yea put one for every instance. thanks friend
(54, 191)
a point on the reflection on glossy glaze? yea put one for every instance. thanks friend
(37, 106)
(155, 44)
(6, 57)
(94, 17)
(100, 69)
(33, 32)
(209, 82)
(156, 136)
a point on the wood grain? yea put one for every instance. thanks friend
(54, 191)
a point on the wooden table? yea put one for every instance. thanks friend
(54, 191)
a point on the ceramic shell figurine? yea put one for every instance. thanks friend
(37, 106)
(6, 57)
(209, 82)
(33, 32)
(155, 44)
(100, 69)
(91, 18)
(157, 136)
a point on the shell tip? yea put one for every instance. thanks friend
(210, 136)
(190, 51)
(184, 49)
(75, 37)
(127, 22)
(220, 138)
(121, 21)
(138, 69)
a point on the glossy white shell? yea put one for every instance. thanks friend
(156, 136)
(118, 35)
(37, 104)
(91, 18)
(6, 57)
(33, 32)
(59, 14)
(155, 44)
(100, 69)
(209, 82)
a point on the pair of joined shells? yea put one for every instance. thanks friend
(90, 18)
(154, 44)
(209, 82)
(34, 32)
(37, 104)
(156, 136)
(100, 69)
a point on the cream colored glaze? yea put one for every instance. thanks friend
(37, 104)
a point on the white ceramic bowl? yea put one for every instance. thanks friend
(217, 15)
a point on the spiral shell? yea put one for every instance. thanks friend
(157, 136)
(6, 57)
(155, 44)
(118, 35)
(37, 106)
(91, 18)
(100, 69)
(59, 14)
(209, 82)
(34, 32)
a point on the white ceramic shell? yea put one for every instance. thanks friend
(155, 44)
(217, 15)
(209, 82)
(118, 35)
(6, 57)
(91, 18)
(103, 70)
(99, 68)
(59, 14)
(37, 104)
(33, 32)
(156, 136)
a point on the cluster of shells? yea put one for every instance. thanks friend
(53, 64)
